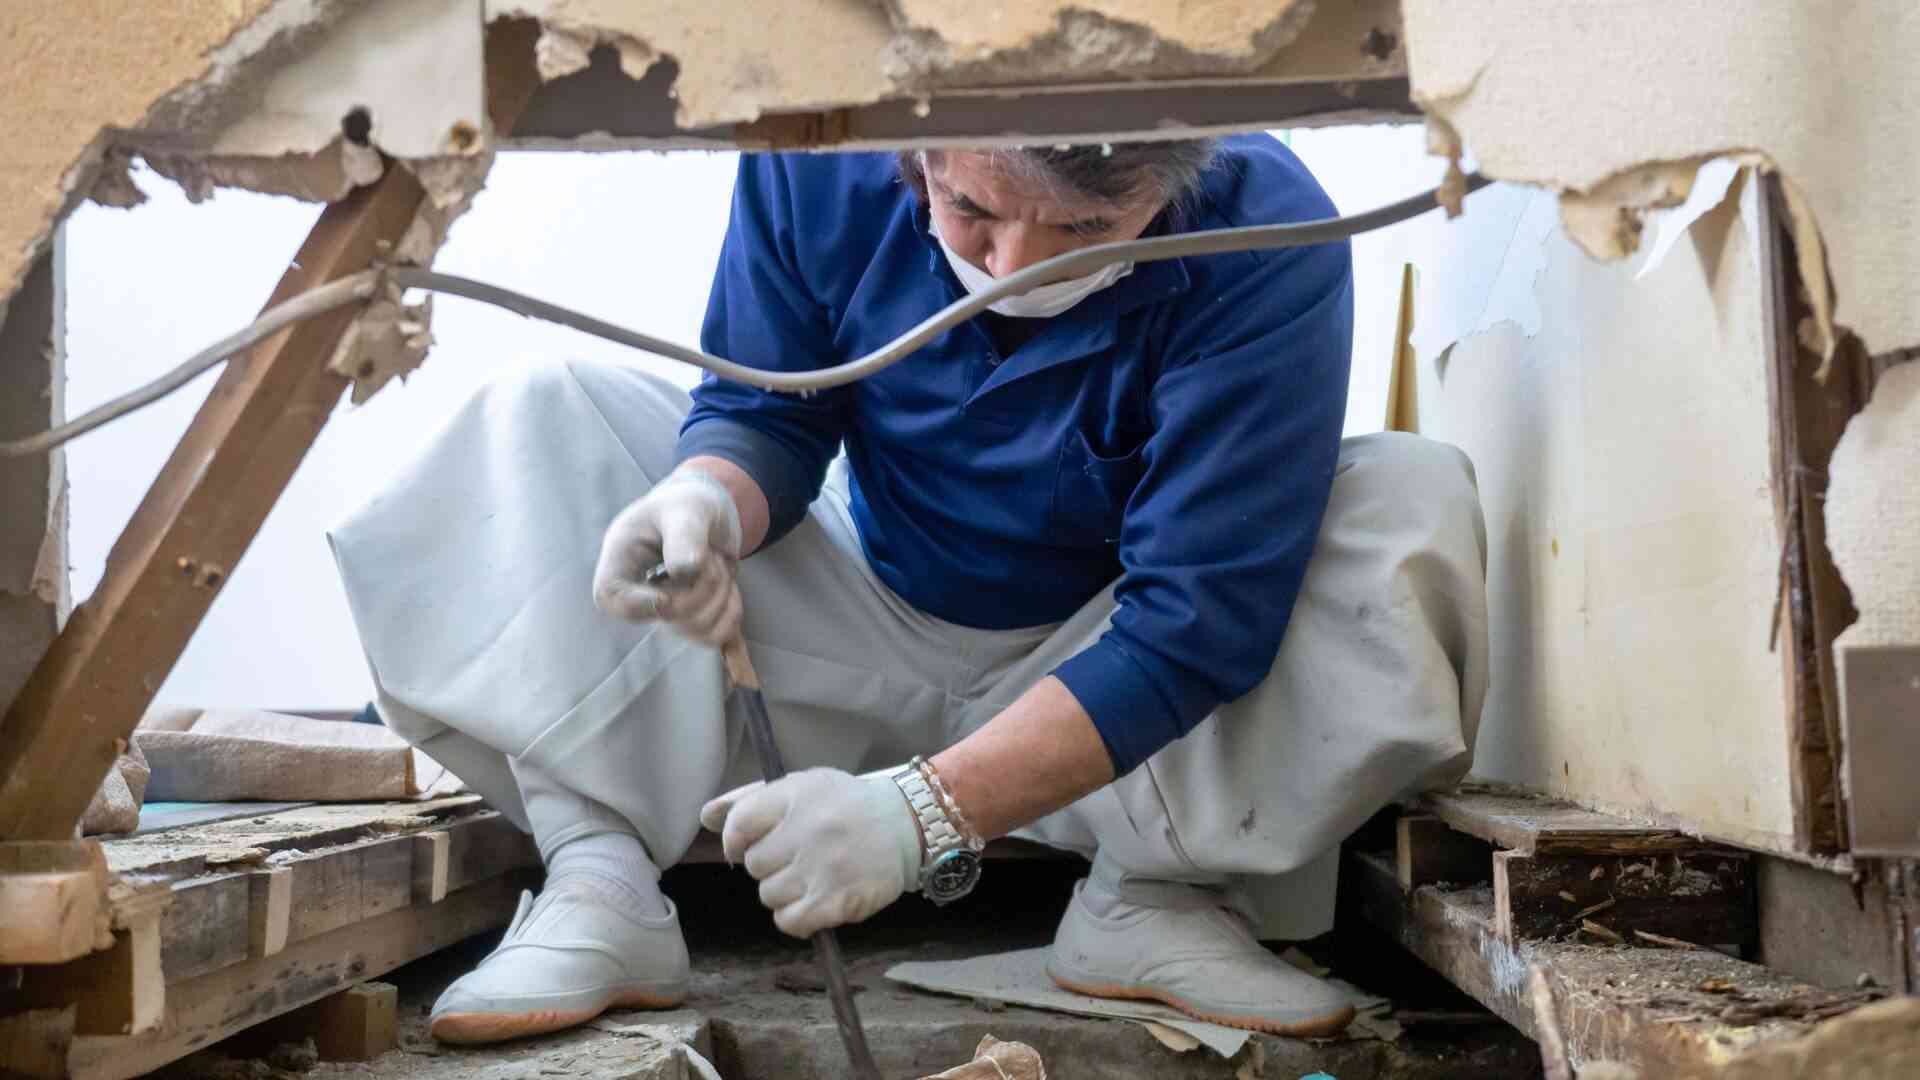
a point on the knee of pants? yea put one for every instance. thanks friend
(642, 410)
(540, 382)
(1414, 476)
(532, 383)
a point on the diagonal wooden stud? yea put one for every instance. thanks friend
(196, 521)
(100, 675)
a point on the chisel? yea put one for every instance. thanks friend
(744, 700)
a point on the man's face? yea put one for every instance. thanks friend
(1000, 225)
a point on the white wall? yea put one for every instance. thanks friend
(628, 237)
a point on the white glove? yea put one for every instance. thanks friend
(827, 848)
(688, 521)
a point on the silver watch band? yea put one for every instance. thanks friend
(941, 836)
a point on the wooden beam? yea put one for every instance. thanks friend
(1808, 416)
(206, 928)
(482, 846)
(341, 878)
(202, 511)
(1532, 823)
(53, 902)
(1427, 851)
(356, 1024)
(430, 866)
(1665, 1012)
(203, 1011)
(117, 991)
(229, 469)
(269, 910)
(241, 844)
(34, 1043)
(1403, 376)
(349, 885)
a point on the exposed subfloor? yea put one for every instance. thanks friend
(768, 1017)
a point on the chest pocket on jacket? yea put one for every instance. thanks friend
(1090, 492)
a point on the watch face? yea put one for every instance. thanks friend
(952, 876)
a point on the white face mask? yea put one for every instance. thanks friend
(1041, 303)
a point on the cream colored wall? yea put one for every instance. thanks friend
(1623, 458)
(1618, 423)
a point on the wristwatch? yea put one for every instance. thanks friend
(950, 861)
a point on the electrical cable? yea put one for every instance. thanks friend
(315, 301)
(361, 286)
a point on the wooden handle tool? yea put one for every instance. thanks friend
(744, 698)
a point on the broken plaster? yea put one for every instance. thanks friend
(1614, 118)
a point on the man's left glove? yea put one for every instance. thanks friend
(828, 848)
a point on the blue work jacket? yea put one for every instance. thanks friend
(1175, 432)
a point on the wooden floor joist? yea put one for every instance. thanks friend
(1530, 823)
(1670, 1013)
(270, 914)
(207, 1009)
(1528, 903)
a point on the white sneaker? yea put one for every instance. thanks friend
(568, 956)
(1188, 951)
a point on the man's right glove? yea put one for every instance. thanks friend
(689, 523)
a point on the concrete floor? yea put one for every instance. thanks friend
(756, 1000)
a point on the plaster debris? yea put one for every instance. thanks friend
(388, 341)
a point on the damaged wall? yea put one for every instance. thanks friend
(1619, 427)
(1577, 100)
(264, 84)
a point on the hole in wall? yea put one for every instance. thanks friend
(357, 125)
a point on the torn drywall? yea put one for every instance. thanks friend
(405, 81)
(387, 341)
(1624, 469)
(735, 62)
(1616, 104)
(1873, 512)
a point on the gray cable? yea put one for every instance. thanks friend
(357, 287)
(1072, 264)
(315, 301)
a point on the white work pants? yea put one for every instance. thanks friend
(470, 577)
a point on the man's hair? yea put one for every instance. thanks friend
(1119, 174)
